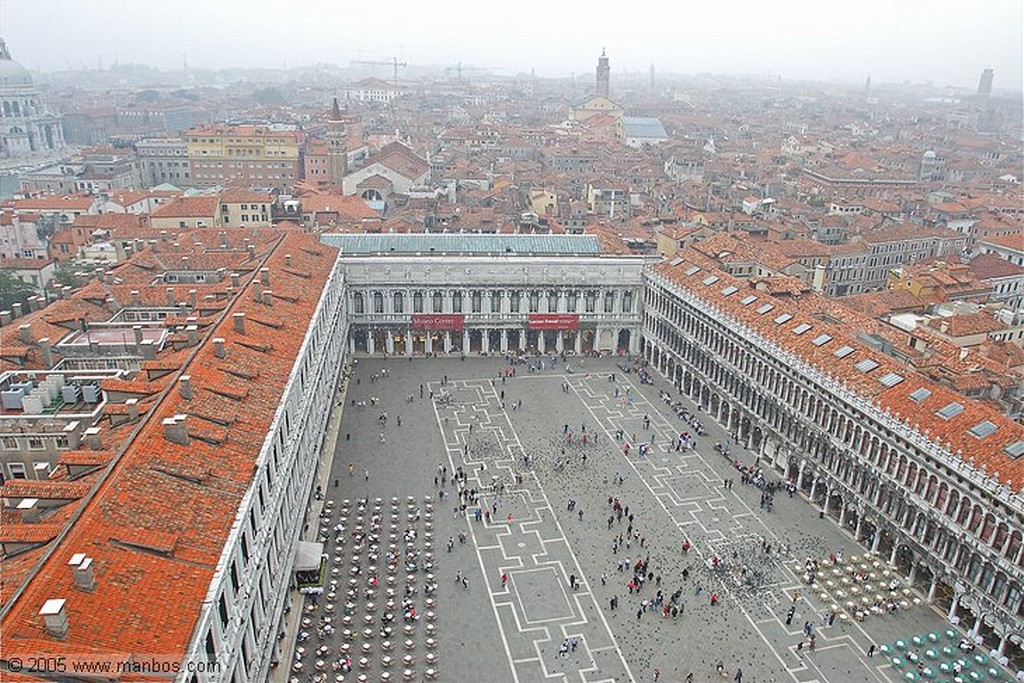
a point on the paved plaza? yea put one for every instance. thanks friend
(510, 621)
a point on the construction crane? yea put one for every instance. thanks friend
(459, 68)
(394, 63)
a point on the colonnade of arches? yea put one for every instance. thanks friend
(948, 537)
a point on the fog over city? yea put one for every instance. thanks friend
(946, 43)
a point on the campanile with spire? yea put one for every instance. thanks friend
(603, 75)
(337, 146)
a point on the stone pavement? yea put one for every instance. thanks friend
(513, 632)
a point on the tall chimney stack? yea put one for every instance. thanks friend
(55, 617)
(175, 430)
(218, 347)
(239, 322)
(185, 387)
(82, 570)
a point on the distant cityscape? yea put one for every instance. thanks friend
(191, 263)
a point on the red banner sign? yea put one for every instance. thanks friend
(554, 321)
(438, 322)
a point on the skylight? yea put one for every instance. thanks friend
(785, 317)
(843, 351)
(801, 328)
(983, 429)
(676, 261)
(764, 308)
(890, 379)
(866, 365)
(950, 410)
(1015, 449)
(822, 339)
(692, 269)
(748, 299)
(730, 290)
(710, 279)
(919, 395)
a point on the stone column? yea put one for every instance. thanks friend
(522, 339)
(860, 527)
(842, 515)
(371, 345)
(540, 341)
(351, 344)
(389, 343)
(485, 341)
(877, 541)
(447, 342)
(814, 488)
(892, 556)
(579, 348)
(932, 588)
(953, 607)
(429, 348)
(913, 574)
(634, 341)
(465, 341)
(408, 342)
(559, 342)
(800, 477)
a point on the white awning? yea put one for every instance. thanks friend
(307, 556)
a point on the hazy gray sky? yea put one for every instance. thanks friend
(947, 42)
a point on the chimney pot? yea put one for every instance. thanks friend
(288, 260)
(65, 291)
(185, 387)
(55, 617)
(192, 332)
(85, 578)
(175, 430)
(5, 318)
(25, 334)
(252, 251)
(147, 349)
(218, 348)
(239, 322)
(136, 299)
(137, 331)
(170, 296)
(235, 280)
(193, 298)
(46, 351)
(268, 297)
(133, 409)
(92, 438)
(16, 309)
(265, 275)
(29, 509)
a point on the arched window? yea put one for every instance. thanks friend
(456, 302)
(417, 302)
(438, 302)
(399, 302)
(357, 303)
(378, 302)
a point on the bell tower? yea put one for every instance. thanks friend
(337, 146)
(603, 75)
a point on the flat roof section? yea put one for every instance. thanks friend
(463, 243)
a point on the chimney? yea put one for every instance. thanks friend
(223, 236)
(170, 296)
(164, 236)
(92, 438)
(16, 309)
(81, 569)
(218, 347)
(25, 334)
(147, 349)
(35, 303)
(257, 293)
(239, 322)
(265, 275)
(220, 274)
(154, 246)
(112, 305)
(55, 617)
(133, 409)
(137, 331)
(268, 297)
(46, 352)
(29, 509)
(192, 332)
(235, 280)
(136, 299)
(185, 387)
(5, 318)
(252, 251)
(94, 348)
(288, 260)
(193, 298)
(175, 430)
(74, 436)
(65, 292)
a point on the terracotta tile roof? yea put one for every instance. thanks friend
(157, 524)
(85, 457)
(28, 533)
(953, 433)
(43, 489)
(188, 207)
